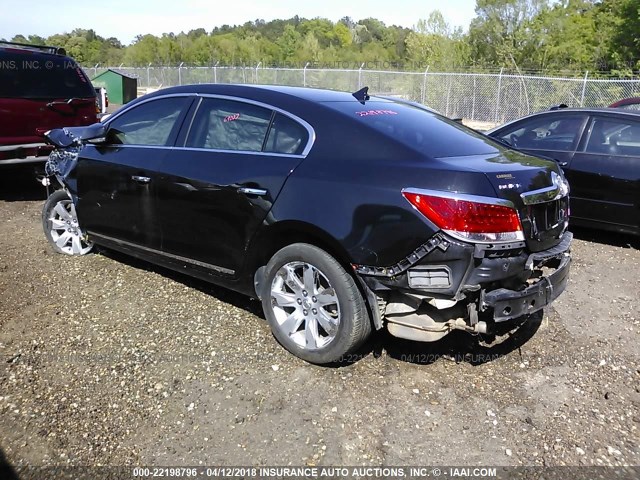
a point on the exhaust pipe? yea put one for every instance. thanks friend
(424, 328)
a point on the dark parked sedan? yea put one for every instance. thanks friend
(599, 151)
(342, 213)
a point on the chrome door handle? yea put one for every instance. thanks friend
(140, 179)
(563, 164)
(252, 191)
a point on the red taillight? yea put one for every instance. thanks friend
(471, 220)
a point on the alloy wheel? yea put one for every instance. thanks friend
(65, 231)
(305, 305)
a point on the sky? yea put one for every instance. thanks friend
(124, 19)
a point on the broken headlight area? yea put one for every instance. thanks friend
(62, 160)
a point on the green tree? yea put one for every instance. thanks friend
(567, 36)
(322, 30)
(433, 43)
(310, 50)
(142, 51)
(502, 32)
(625, 42)
(519, 34)
(342, 35)
(289, 43)
(20, 39)
(77, 47)
(36, 40)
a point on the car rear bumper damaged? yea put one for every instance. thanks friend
(509, 304)
(455, 285)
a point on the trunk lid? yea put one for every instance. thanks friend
(535, 186)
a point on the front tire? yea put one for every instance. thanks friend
(60, 224)
(313, 305)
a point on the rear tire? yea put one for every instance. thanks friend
(60, 224)
(313, 305)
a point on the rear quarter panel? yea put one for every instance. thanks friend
(350, 186)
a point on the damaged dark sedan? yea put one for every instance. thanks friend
(342, 212)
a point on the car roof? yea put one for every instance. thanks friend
(314, 95)
(576, 110)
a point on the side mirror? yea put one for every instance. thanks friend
(65, 137)
(95, 133)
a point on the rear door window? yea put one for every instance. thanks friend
(286, 136)
(614, 137)
(222, 124)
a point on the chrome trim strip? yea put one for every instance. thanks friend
(310, 141)
(245, 152)
(20, 161)
(130, 106)
(476, 238)
(164, 254)
(117, 145)
(542, 195)
(210, 150)
(461, 196)
(558, 190)
(252, 191)
(9, 148)
(140, 178)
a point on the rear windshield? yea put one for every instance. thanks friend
(419, 129)
(27, 75)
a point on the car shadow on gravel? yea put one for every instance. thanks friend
(223, 294)
(606, 238)
(458, 346)
(6, 470)
(19, 183)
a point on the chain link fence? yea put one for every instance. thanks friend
(493, 98)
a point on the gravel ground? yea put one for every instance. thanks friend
(111, 361)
